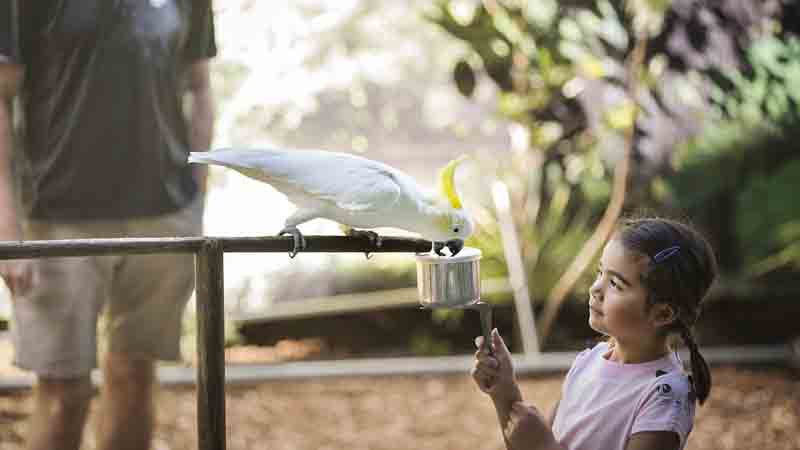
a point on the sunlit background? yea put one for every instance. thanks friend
(363, 77)
(574, 113)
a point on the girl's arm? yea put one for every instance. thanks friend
(504, 406)
(528, 429)
(554, 412)
(654, 440)
(523, 426)
(494, 374)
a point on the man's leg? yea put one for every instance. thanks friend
(147, 299)
(59, 415)
(126, 418)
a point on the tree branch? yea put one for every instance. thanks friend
(612, 213)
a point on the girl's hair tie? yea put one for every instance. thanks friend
(665, 254)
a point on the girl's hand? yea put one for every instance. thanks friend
(494, 374)
(528, 429)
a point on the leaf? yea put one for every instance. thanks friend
(592, 67)
(621, 116)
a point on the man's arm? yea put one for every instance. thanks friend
(10, 80)
(17, 274)
(201, 118)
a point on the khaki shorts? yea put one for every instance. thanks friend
(54, 325)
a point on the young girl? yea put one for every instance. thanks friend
(629, 393)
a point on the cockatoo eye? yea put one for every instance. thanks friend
(455, 229)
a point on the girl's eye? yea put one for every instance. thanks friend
(611, 281)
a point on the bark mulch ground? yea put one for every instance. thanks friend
(750, 408)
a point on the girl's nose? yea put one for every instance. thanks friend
(595, 290)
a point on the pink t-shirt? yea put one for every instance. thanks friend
(603, 402)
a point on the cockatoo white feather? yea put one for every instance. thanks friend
(349, 189)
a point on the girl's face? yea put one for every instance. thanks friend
(617, 298)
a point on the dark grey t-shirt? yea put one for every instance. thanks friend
(103, 129)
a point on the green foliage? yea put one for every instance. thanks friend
(788, 238)
(746, 152)
(343, 275)
(766, 218)
(737, 178)
(713, 163)
(423, 343)
(558, 239)
(539, 55)
(365, 275)
(546, 252)
(771, 92)
(531, 50)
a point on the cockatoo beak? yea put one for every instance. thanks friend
(455, 246)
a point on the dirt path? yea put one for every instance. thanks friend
(748, 409)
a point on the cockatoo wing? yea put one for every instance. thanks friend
(350, 182)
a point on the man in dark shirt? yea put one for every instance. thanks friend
(100, 152)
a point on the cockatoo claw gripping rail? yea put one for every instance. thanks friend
(208, 252)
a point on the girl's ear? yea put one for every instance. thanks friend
(663, 314)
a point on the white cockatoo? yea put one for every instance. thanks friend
(356, 192)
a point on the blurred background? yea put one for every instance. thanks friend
(575, 113)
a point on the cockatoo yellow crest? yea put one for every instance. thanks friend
(447, 182)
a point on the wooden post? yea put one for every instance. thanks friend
(516, 270)
(210, 346)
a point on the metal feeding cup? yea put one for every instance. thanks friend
(453, 282)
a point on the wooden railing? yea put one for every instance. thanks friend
(209, 270)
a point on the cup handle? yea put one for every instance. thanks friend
(485, 311)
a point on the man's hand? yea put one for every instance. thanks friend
(18, 275)
(527, 429)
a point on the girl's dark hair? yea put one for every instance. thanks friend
(682, 268)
